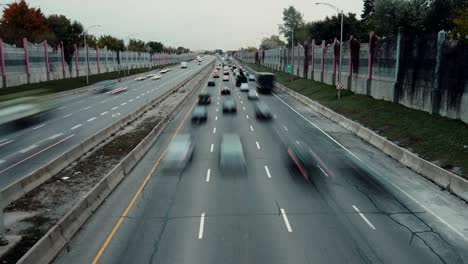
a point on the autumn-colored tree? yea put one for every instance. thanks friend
(19, 21)
(461, 24)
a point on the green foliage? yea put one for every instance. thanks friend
(91, 41)
(136, 45)
(112, 43)
(64, 32)
(272, 42)
(293, 21)
(155, 46)
(330, 28)
(461, 23)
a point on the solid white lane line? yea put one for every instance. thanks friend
(208, 173)
(202, 225)
(251, 128)
(39, 126)
(268, 172)
(55, 136)
(3, 140)
(326, 174)
(104, 113)
(122, 104)
(28, 149)
(285, 128)
(214, 130)
(286, 221)
(113, 108)
(258, 146)
(91, 119)
(67, 116)
(216, 118)
(376, 172)
(6, 143)
(247, 116)
(212, 146)
(75, 127)
(364, 217)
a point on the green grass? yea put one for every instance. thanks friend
(433, 137)
(66, 84)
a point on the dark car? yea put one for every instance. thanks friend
(226, 72)
(229, 106)
(265, 82)
(232, 153)
(211, 83)
(225, 90)
(301, 158)
(262, 111)
(199, 114)
(241, 78)
(204, 98)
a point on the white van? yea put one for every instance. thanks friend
(184, 64)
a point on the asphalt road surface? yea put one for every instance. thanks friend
(76, 118)
(270, 213)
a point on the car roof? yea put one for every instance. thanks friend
(231, 142)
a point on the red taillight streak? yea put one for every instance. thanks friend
(301, 169)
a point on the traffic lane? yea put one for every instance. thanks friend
(20, 162)
(86, 243)
(352, 189)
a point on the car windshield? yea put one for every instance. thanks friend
(281, 131)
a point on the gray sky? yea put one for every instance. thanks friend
(196, 24)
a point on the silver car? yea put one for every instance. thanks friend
(179, 153)
(252, 95)
(232, 153)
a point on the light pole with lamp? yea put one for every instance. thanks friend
(340, 11)
(86, 47)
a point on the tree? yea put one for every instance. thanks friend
(64, 32)
(91, 41)
(112, 43)
(19, 21)
(181, 50)
(249, 49)
(461, 23)
(155, 46)
(136, 45)
(368, 10)
(330, 28)
(293, 20)
(272, 42)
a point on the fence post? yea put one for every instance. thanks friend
(46, 53)
(107, 59)
(2, 58)
(313, 61)
(350, 66)
(370, 64)
(87, 59)
(63, 59)
(335, 42)
(97, 60)
(322, 70)
(435, 93)
(298, 59)
(76, 61)
(26, 57)
(396, 94)
(3, 240)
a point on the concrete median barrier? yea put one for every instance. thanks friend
(445, 179)
(45, 250)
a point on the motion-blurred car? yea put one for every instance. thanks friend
(27, 109)
(204, 98)
(244, 87)
(200, 114)
(252, 95)
(251, 77)
(226, 72)
(225, 90)
(140, 78)
(183, 64)
(232, 153)
(156, 77)
(262, 111)
(229, 106)
(163, 71)
(225, 78)
(265, 82)
(301, 157)
(216, 74)
(179, 152)
(211, 83)
(241, 78)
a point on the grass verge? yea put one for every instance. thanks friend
(56, 86)
(435, 138)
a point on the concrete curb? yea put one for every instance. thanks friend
(45, 250)
(26, 184)
(445, 179)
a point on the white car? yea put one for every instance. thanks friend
(244, 87)
(251, 77)
(140, 78)
(156, 77)
(163, 71)
(183, 64)
(253, 95)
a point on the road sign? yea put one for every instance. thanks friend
(339, 86)
(289, 68)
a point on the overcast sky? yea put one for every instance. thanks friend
(195, 24)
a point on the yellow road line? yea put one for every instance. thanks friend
(137, 194)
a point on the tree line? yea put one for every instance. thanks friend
(19, 21)
(384, 17)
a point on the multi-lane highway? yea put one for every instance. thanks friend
(76, 118)
(269, 213)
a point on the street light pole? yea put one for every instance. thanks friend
(340, 11)
(86, 47)
(292, 50)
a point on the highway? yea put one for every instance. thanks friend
(344, 213)
(76, 118)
